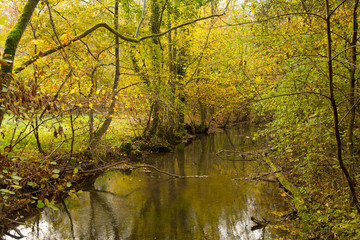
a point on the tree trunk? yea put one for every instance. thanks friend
(35, 126)
(203, 118)
(352, 107)
(154, 120)
(11, 44)
(335, 110)
(96, 137)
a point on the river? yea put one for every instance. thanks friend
(143, 204)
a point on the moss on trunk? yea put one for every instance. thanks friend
(16, 33)
(11, 44)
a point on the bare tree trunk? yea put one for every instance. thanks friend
(203, 118)
(335, 111)
(37, 136)
(154, 123)
(352, 107)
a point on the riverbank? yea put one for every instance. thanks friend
(43, 183)
(28, 185)
(112, 206)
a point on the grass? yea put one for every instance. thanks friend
(55, 134)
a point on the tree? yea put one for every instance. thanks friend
(11, 45)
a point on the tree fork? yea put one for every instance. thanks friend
(335, 110)
(106, 124)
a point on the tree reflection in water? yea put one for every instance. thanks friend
(150, 206)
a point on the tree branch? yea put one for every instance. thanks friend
(141, 20)
(113, 31)
(337, 7)
(275, 17)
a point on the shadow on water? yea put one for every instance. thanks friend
(145, 205)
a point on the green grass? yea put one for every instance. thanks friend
(119, 131)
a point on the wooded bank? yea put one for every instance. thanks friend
(81, 80)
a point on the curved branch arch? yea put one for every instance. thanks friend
(113, 31)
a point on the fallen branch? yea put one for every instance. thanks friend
(111, 167)
(259, 177)
(169, 174)
(100, 169)
(286, 184)
(241, 154)
(233, 160)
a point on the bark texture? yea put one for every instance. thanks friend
(11, 45)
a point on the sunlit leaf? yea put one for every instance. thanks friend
(40, 204)
(7, 191)
(55, 176)
(16, 186)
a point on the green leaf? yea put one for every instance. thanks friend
(32, 184)
(40, 204)
(76, 171)
(7, 191)
(16, 177)
(53, 163)
(56, 171)
(50, 204)
(68, 184)
(55, 176)
(16, 186)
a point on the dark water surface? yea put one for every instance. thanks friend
(143, 205)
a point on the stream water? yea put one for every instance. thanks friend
(147, 205)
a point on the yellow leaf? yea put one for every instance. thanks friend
(283, 194)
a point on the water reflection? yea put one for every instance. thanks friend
(146, 205)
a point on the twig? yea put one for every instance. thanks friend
(16, 237)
